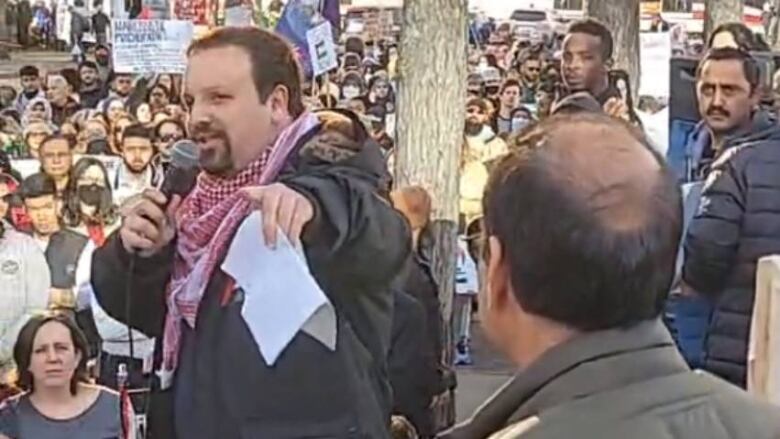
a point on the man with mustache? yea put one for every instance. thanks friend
(736, 223)
(136, 172)
(317, 179)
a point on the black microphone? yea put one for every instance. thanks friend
(182, 170)
(179, 180)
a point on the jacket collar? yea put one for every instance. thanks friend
(588, 364)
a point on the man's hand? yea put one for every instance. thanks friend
(687, 290)
(282, 208)
(148, 228)
(615, 107)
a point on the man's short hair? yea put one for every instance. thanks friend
(597, 29)
(480, 103)
(29, 71)
(749, 65)
(509, 83)
(137, 130)
(272, 58)
(577, 254)
(158, 127)
(37, 185)
(88, 64)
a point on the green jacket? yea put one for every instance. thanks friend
(614, 384)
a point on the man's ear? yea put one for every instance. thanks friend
(278, 102)
(609, 64)
(498, 287)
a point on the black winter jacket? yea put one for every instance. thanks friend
(738, 222)
(356, 245)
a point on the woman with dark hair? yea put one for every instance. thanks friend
(58, 401)
(158, 98)
(737, 36)
(89, 207)
(172, 84)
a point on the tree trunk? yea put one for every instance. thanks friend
(431, 108)
(773, 37)
(4, 31)
(721, 11)
(430, 123)
(622, 18)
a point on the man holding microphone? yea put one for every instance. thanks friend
(314, 177)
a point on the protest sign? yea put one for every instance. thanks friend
(151, 46)
(322, 50)
(655, 53)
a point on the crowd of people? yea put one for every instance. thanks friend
(561, 267)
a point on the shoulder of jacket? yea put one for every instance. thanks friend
(517, 430)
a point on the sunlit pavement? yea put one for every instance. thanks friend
(477, 382)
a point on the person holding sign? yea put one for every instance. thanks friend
(316, 180)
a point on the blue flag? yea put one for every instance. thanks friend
(301, 15)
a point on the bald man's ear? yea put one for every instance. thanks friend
(498, 289)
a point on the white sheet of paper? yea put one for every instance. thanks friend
(280, 295)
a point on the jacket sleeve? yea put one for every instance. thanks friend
(35, 291)
(354, 229)
(713, 237)
(112, 276)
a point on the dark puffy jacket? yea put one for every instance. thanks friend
(738, 222)
(356, 246)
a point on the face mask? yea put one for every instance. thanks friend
(90, 194)
(519, 123)
(351, 92)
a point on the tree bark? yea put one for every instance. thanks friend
(431, 108)
(430, 122)
(4, 31)
(721, 11)
(622, 18)
(773, 38)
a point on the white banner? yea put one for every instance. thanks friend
(322, 50)
(151, 46)
(655, 58)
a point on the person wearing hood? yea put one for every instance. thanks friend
(735, 224)
(380, 92)
(352, 86)
(38, 110)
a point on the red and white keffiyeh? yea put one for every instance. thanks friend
(205, 224)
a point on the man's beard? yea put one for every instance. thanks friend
(213, 160)
(134, 167)
(473, 128)
(29, 94)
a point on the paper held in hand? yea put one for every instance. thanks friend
(281, 297)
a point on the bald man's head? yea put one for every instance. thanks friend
(589, 220)
(58, 90)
